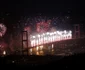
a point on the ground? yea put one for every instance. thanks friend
(73, 61)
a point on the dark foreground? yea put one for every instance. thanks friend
(48, 61)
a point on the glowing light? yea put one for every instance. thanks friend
(52, 46)
(41, 52)
(12, 61)
(36, 42)
(47, 33)
(37, 48)
(33, 36)
(4, 52)
(41, 47)
(65, 31)
(54, 32)
(50, 37)
(39, 36)
(31, 50)
(70, 32)
(37, 53)
(2, 29)
(51, 33)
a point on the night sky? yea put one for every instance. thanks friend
(12, 11)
